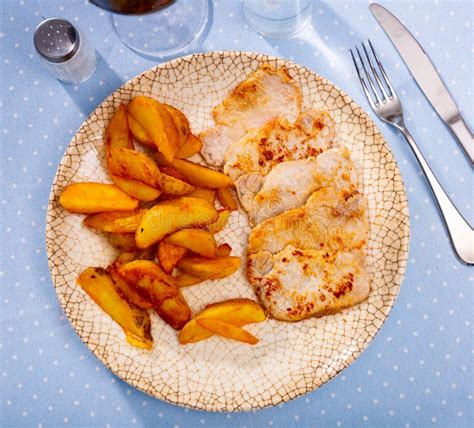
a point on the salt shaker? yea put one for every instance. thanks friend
(65, 51)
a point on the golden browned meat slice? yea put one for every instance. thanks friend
(310, 261)
(296, 284)
(266, 94)
(279, 141)
(329, 220)
(290, 184)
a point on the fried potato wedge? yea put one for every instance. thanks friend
(192, 146)
(151, 281)
(173, 186)
(136, 189)
(115, 222)
(185, 280)
(139, 134)
(216, 268)
(98, 284)
(134, 165)
(222, 219)
(223, 250)
(160, 289)
(173, 173)
(224, 329)
(157, 123)
(208, 194)
(237, 312)
(128, 291)
(118, 133)
(169, 255)
(175, 311)
(196, 174)
(225, 197)
(92, 198)
(171, 130)
(181, 123)
(168, 216)
(130, 256)
(123, 241)
(198, 241)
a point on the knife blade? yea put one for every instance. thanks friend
(426, 76)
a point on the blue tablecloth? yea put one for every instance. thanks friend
(418, 370)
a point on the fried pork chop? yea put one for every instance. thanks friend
(266, 94)
(304, 283)
(279, 141)
(328, 221)
(290, 184)
(309, 261)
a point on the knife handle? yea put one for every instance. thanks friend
(463, 135)
(460, 232)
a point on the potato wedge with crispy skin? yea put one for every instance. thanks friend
(181, 123)
(169, 255)
(160, 289)
(136, 189)
(130, 256)
(92, 198)
(157, 123)
(118, 133)
(128, 291)
(151, 281)
(238, 311)
(173, 186)
(225, 197)
(139, 134)
(224, 329)
(235, 311)
(196, 174)
(115, 222)
(173, 173)
(185, 280)
(123, 241)
(223, 250)
(98, 284)
(169, 216)
(134, 165)
(192, 146)
(192, 332)
(198, 241)
(170, 127)
(208, 194)
(175, 311)
(220, 223)
(216, 268)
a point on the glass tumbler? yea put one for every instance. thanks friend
(278, 19)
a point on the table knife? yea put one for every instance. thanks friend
(425, 74)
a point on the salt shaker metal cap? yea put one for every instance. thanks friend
(56, 40)
(64, 50)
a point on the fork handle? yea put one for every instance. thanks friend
(460, 232)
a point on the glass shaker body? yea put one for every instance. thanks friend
(65, 51)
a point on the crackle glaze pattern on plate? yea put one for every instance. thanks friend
(291, 358)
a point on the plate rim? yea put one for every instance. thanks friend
(404, 247)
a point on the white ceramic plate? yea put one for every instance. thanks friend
(291, 358)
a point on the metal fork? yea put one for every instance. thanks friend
(387, 106)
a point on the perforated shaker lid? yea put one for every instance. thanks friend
(56, 40)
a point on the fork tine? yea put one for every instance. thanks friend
(384, 75)
(371, 83)
(376, 75)
(362, 81)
